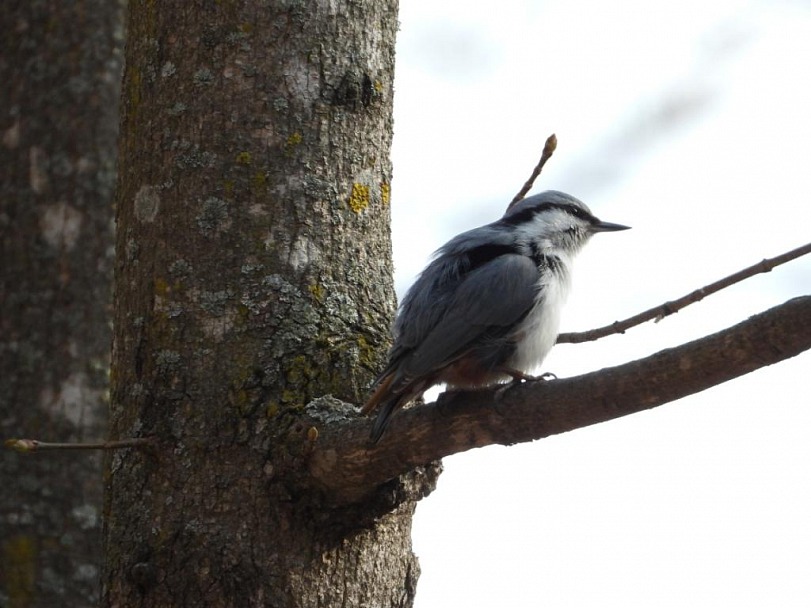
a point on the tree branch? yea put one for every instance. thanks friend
(658, 313)
(548, 150)
(348, 467)
(34, 445)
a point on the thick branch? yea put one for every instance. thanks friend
(348, 467)
(657, 313)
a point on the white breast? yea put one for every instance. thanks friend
(538, 331)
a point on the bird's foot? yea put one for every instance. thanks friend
(519, 377)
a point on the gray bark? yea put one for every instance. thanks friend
(253, 275)
(60, 69)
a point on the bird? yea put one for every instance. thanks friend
(486, 309)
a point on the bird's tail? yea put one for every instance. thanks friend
(384, 414)
(386, 401)
(381, 392)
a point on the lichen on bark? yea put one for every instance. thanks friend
(247, 285)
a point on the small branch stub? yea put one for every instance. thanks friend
(27, 446)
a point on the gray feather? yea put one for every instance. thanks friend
(477, 311)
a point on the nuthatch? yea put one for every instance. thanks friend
(487, 308)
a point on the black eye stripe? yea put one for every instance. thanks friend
(526, 215)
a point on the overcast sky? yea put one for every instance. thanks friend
(690, 122)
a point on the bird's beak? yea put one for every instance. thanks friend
(608, 227)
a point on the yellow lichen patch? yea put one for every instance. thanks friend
(161, 286)
(378, 86)
(292, 141)
(243, 314)
(366, 351)
(385, 192)
(299, 370)
(134, 88)
(259, 179)
(241, 400)
(19, 566)
(289, 396)
(317, 291)
(243, 158)
(271, 409)
(359, 198)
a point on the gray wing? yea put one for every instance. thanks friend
(427, 301)
(489, 300)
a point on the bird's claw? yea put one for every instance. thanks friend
(519, 378)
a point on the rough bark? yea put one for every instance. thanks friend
(60, 72)
(348, 468)
(253, 274)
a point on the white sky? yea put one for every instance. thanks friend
(690, 122)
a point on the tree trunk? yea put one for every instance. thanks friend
(253, 275)
(60, 69)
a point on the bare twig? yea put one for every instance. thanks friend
(33, 445)
(668, 308)
(548, 150)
